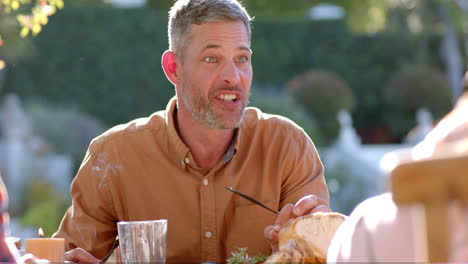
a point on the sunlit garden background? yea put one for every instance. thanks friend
(69, 70)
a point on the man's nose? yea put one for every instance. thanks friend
(230, 74)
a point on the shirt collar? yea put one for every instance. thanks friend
(233, 147)
(176, 146)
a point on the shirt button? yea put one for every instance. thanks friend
(187, 160)
(208, 234)
(205, 182)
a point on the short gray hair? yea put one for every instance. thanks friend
(185, 13)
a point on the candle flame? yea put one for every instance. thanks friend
(40, 232)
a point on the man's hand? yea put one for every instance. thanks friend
(79, 255)
(306, 205)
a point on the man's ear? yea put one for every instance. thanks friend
(169, 63)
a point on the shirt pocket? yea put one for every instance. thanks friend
(245, 228)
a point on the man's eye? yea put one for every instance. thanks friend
(242, 59)
(210, 59)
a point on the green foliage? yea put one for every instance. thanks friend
(282, 49)
(365, 62)
(323, 94)
(295, 10)
(83, 3)
(241, 257)
(413, 88)
(103, 59)
(285, 105)
(36, 18)
(161, 6)
(13, 47)
(370, 62)
(43, 207)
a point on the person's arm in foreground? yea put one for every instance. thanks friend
(348, 244)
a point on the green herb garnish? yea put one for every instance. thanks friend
(241, 257)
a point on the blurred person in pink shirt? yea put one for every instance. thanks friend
(380, 231)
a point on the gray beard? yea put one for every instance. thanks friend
(202, 111)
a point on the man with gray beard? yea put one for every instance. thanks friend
(176, 163)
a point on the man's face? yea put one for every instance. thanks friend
(216, 73)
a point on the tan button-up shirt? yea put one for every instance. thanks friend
(143, 171)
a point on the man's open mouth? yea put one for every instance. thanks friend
(228, 97)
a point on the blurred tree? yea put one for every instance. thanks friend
(160, 5)
(30, 21)
(444, 19)
(451, 52)
(33, 20)
(285, 105)
(114, 70)
(323, 94)
(411, 89)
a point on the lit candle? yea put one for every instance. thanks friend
(52, 249)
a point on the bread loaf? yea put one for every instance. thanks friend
(307, 238)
